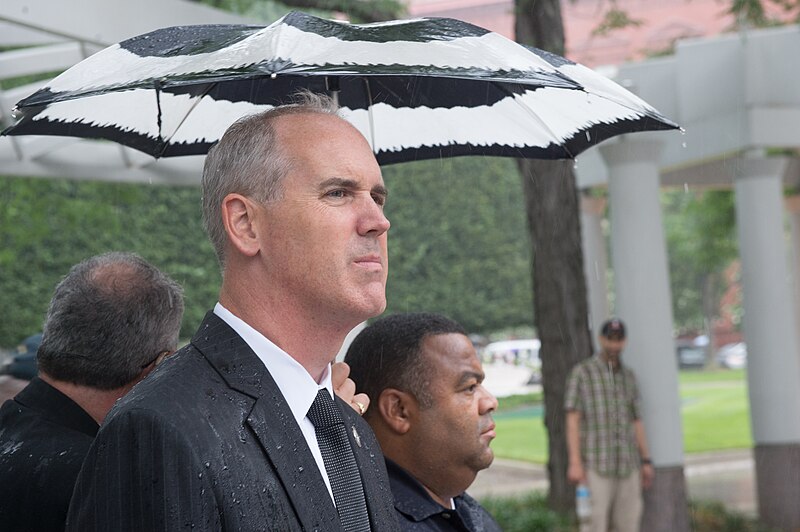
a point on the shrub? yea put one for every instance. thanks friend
(526, 513)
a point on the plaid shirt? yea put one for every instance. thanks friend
(608, 401)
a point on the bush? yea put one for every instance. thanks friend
(526, 513)
(714, 517)
(529, 513)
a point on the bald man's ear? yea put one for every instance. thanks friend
(397, 409)
(239, 214)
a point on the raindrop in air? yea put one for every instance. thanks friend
(683, 131)
(686, 188)
(683, 144)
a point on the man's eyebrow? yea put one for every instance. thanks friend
(338, 182)
(351, 184)
(468, 375)
(380, 190)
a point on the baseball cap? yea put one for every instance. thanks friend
(613, 328)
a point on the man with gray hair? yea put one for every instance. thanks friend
(111, 320)
(241, 431)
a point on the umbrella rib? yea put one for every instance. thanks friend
(370, 115)
(185, 116)
(541, 122)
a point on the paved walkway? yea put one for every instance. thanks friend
(725, 476)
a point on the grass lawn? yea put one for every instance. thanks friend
(715, 413)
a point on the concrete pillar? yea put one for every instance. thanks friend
(773, 367)
(792, 204)
(595, 261)
(643, 301)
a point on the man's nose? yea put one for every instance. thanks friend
(372, 219)
(488, 402)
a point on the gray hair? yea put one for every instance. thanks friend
(248, 161)
(108, 318)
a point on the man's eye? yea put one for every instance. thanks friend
(338, 193)
(380, 199)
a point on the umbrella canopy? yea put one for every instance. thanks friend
(416, 89)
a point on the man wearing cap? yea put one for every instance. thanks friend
(605, 436)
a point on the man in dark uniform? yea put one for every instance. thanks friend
(432, 417)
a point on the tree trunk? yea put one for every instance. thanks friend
(560, 306)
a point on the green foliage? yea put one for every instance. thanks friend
(714, 517)
(529, 513)
(701, 240)
(458, 242)
(46, 226)
(526, 513)
(614, 19)
(355, 10)
(755, 13)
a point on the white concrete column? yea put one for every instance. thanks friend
(643, 298)
(792, 204)
(595, 260)
(773, 370)
(643, 301)
(773, 367)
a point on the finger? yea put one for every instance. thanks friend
(363, 399)
(346, 390)
(339, 373)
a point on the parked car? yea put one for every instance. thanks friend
(732, 356)
(692, 353)
(22, 363)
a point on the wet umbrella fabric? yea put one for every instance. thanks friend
(416, 89)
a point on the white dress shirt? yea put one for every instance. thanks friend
(295, 383)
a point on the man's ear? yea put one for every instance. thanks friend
(397, 409)
(239, 214)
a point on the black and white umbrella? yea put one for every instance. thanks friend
(416, 89)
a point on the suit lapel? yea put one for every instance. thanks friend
(271, 421)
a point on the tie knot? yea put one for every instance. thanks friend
(323, 411)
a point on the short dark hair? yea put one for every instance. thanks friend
(386, 354)
(613, 328)
(109, 317)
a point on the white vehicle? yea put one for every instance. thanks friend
(733, 356)
(517, 352)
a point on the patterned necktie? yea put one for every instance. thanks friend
(339, 463)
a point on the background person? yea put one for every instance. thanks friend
(605, 435)
(222, 437)
(431, 415)
(110, 321)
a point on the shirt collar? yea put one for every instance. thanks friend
(296, 384)
(410, 497)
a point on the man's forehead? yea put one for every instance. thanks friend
(450, 351)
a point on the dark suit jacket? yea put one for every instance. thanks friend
(44, 437)
(208, 442)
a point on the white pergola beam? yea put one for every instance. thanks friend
(105, 22)
(16, 35)
(40, 59)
